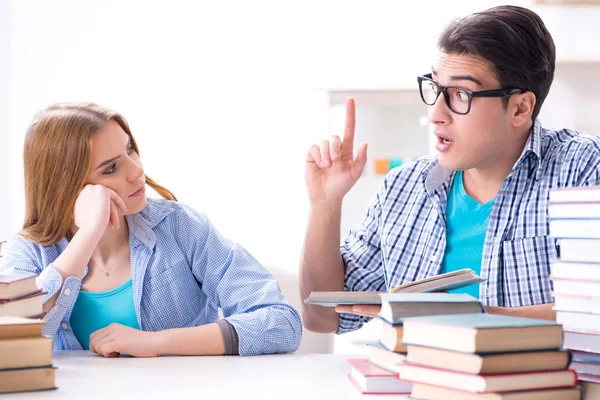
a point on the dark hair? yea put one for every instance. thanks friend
(514, 40)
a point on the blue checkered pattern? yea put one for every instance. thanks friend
(183, 270)
(403, 235)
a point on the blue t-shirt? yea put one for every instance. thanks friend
(97, 310)
(466, 224)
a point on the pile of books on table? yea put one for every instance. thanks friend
(379, 373)
(484, 356)
(389, 353)
(574, 215)
(25, 355)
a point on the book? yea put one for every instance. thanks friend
(27, 306)
(589, 378)
(502, 363)
(575, 287)
(390, 337)
(25, 353)
(563, 302)
(588, 368)
(397, 306)
(448, 281)
(584, 356)
(579, 250)
(580, 210)
(577, 321)
(583, 341)
(383, 358)
(575, 194)
(430, 392)
(29, 379)
(17, 327)
(575, 270)
(575, 228)
(488, 383)
(15, 286)
(482, 333)
(370, 379)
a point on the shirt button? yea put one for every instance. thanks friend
(67, 291)
(433, 258)
(64, 326)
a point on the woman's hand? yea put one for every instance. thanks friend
(116, 339)
(97, 207)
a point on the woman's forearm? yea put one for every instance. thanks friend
(205, 340)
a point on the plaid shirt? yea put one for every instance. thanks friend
(183, 270)
(403, 235)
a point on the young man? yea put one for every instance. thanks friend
(480, 204)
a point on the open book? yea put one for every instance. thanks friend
(438, 283)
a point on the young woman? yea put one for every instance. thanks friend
(128, 274)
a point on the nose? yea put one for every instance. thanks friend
(439, 113)
(135, 169)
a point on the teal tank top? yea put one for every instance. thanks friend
(97, 310)
(466, 224)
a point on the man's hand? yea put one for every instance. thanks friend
(540, 311)
(116, 339)
(366, 310)
(331, 169)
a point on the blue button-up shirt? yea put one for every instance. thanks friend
(403, 235)
(183, 270)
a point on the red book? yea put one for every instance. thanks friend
(30, 305)
(487, 383)
(370, 379)
(14, 286)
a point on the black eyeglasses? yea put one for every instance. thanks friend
(457, 99)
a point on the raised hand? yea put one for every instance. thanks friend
(331, 169)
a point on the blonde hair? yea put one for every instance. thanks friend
(57, 158)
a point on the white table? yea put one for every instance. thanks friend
(85, 375)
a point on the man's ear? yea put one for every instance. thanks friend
(522, 106)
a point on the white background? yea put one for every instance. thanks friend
(225, 97)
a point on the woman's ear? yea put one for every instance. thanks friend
(522, 109)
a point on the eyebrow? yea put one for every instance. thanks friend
(103, 163)
(455, 78)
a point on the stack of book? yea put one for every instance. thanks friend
(20, 297)
(389, 353)
(574, 215)
(407, 300)
(25, 356)
(484, 356)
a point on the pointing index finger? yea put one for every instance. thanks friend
(348, 142)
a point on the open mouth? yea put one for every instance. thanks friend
(443, 143)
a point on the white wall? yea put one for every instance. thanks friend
(225, 97)
(5, 164)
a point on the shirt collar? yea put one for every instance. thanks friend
(533, 146)
(141, 224)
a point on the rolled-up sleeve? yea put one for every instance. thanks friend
(24, 257)
(247, 293)
(361, 253)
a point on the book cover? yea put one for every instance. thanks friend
(450, 280)
(482, 321)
